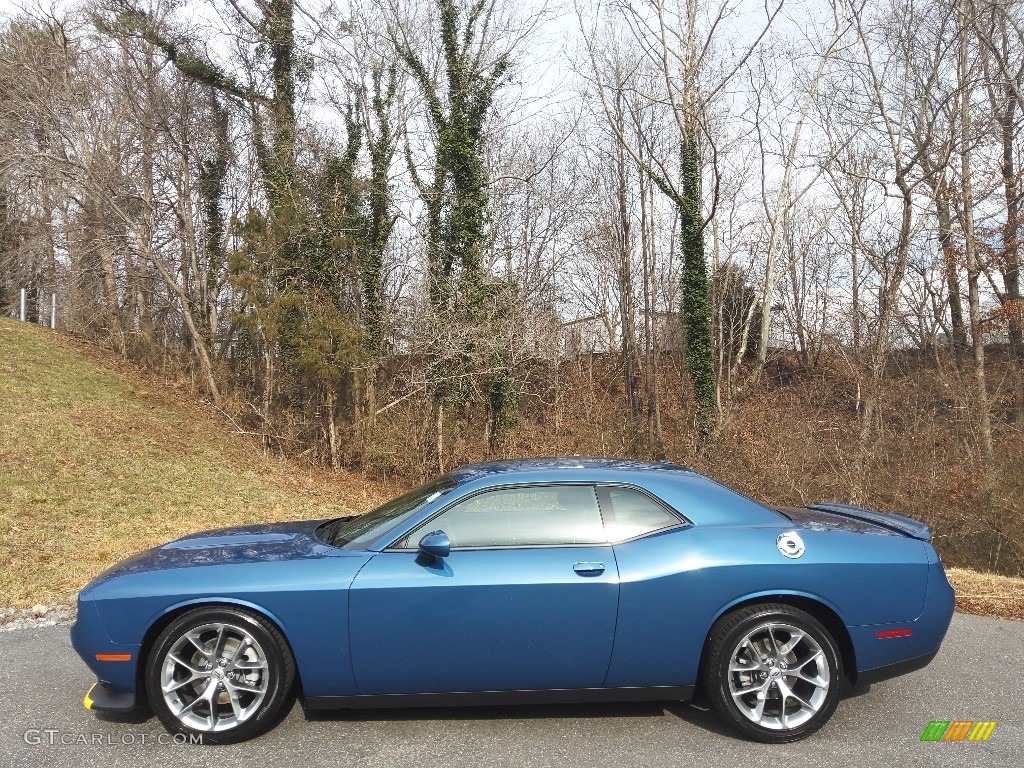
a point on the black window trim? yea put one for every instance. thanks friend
(604, 505)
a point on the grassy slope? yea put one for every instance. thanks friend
(98, 460)
(988, 594)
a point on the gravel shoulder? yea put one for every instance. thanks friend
(54, 615)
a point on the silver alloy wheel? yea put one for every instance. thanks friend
(778, 676)
(214, 677)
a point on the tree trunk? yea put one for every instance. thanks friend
(940, 192)
(332, 427)
(655, 437)
(700, 361)
(439, 436)
(201, 350)
(624, 245)
(110, 296)
(1012, 302)
(974, 268)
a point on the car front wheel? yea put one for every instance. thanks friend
(773, 671)
(223, 674)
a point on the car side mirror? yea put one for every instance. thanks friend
(435, 544)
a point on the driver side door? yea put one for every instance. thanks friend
(526, 599)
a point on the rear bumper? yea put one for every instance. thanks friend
(885, 651)
(102, 698)
(889, 671)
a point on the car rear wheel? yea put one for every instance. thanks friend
(773, 671)
(222, 673)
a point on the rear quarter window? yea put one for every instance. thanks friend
(634, 514)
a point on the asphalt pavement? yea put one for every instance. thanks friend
(978, 675)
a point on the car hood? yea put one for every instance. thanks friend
(249, 544)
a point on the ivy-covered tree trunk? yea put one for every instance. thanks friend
(457, 205)
(696, 310)
(380, 222)
(380, 218)
(695, 283)
(277, 160)
(213, 170)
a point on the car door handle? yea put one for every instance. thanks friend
(588, 569)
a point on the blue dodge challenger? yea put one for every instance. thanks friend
(544, 580)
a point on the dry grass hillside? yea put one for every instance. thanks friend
(99, 460)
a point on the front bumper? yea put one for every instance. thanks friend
(114, 664)
(102, 698)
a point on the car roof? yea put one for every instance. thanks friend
(696, 496)
(567, 463)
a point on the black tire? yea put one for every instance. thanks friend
(790, 697)
(229, 679)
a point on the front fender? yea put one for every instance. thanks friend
(307, 600)
(113, 663)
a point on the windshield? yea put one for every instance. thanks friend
(358, 530)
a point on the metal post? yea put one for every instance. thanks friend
(23, 296)
(53, 311)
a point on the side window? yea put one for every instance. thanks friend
(635, 514)
(529, 516)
